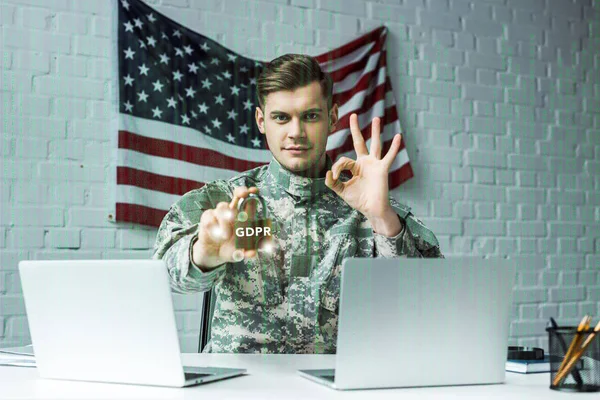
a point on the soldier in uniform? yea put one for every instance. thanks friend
(284, 298)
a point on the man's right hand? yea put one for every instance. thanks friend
(216, 237)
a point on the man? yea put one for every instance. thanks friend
(285, 299)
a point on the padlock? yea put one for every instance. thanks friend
(248, 234)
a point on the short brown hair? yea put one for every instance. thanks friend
(290, 72)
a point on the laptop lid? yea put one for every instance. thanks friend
(107, 321)
(423, 322)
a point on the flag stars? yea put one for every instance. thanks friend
(125, 4)
(194, 114)
(189, 92)
(177, 34)
(157, 86)
(193, 68)
(230, 137)
(219, 78)
(128, 106)
(156, 112)
(164, 36)
(215, 61)
(204, 47)
(243, 69)
(235, 90)
(231, 114)
(143, 69)
(177, 75)
(164, 59)
(227, 74)
(128, 26)
(203, 108)
(256, 142)
(216, 123)
(206, 84)
(151, 41)
(128, 80)
(142, 96)
(151, 17)
(178, 52)
(188, 49)
(248, 105)
(171, 102)
(253, 81)
(219, 99)
(129, 53)
(244, 129)
(231, 57)
(185, 119)
(138, 23)
(142, 44)
(207, 130)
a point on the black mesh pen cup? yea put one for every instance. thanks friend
(584, 374)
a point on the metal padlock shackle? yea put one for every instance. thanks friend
(255, 197)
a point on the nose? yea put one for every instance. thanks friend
(296, 129)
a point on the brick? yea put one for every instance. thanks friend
(566, 197)
(486, 125)
(567, 246)
(71, 172)
(558, 229)
(484, 175)
(548, 310)
(567, 294)
(477, 60)
(536, 229)
(71, 23)
(485, 159)
(13, 305)
(484, 228)
(436, 19)
(526, 195)
(16, 81)
(485, 210)
(443, 55)
(98, 238)
(440, 121)
(437, 88)
(566, 165)
(73, 87)
(357, 7)
(31, 126)
(462, 174)
(443, 38)
(88, 217)
(37, 216)
(36, 61)
(36, 40)
(593, 293)
(25, 237)
(444, 226)
(36, 18)
(68, 255)
(66, 238)
(566, 262)
(92, 46)
(527, 67)
(419, 68)
(483, 93)
(527, 211)
(72, 66)
(526, 178)
(529, 295)
(557, 148)
(527, 162)
(134, 239)
(465, 41)
(478, 28)
(31, 148)
(441, 155)
(538, 131)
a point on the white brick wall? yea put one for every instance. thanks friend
(499, 100)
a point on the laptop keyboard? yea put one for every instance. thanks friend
(190, 376)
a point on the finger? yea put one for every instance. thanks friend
(393, 151)
(249, 253)
(376, 138)
(238, 192)
(344, 163)
(210, 225)
(225, 220)
(336, 185)
(357, 137)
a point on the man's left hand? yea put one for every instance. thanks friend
(367, 190)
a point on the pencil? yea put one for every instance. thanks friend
(583, 326)
(562, 374)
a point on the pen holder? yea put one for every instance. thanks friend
(585, 375)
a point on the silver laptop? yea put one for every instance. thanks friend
(107, 321)
(421, 322)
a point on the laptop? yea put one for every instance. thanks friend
(421, 322)
(107, 321)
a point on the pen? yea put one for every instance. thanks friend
(563, 345)
(583, 325)
(561, 375)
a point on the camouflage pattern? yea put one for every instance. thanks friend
(286, 301)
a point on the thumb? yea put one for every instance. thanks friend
(334, 184)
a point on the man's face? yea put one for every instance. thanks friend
(298, 119)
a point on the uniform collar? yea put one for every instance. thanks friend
(295, 184)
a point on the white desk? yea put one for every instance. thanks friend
(269, 377)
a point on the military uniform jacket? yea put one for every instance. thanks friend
(286, 301)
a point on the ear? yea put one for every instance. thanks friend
(260, 120)
(333, 117)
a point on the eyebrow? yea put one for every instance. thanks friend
(277, 112)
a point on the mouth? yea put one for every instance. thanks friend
(296, 150)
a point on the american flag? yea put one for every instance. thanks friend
(187, 104)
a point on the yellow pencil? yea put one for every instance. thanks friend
(583, 325)
(577, 355)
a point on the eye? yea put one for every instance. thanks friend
(315, 116)
(277, 116)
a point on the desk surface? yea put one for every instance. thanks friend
(268, 377)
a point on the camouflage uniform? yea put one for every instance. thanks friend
(286, 302)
